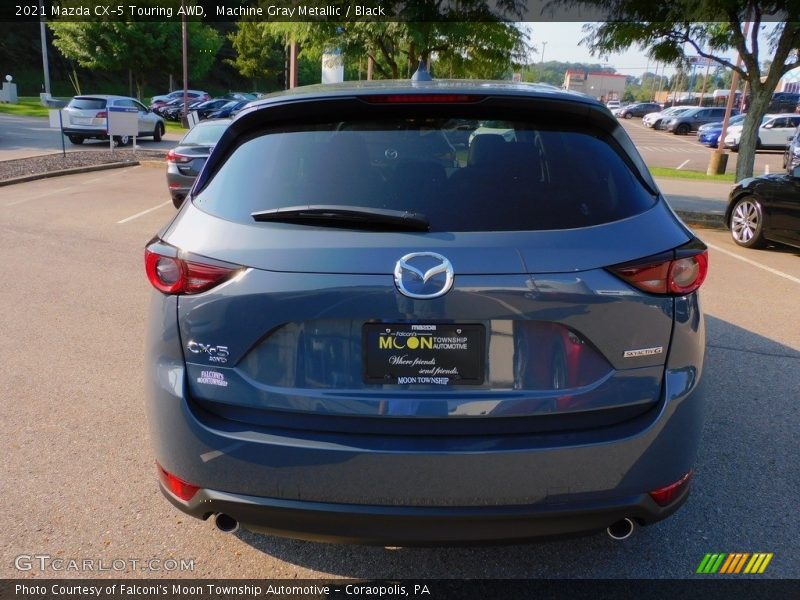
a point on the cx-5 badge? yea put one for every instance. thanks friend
(413, 274)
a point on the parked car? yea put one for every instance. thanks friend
(653, 119)
(612, 104)
(765, 209)
(639, 109)
(783, 102)
(174, 113)
(708, 134)
(186, 159)
(348, 346)
(690, 120)
(178, 95)
(206, 108)
(774, 132)
(228, 110)
(791, 158)
(88, 118)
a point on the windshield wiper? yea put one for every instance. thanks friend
(339, 215)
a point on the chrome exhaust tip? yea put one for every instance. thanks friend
(621, 530)
(226, 523)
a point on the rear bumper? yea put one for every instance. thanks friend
(87, 132)
(414, 489)
(419, 525)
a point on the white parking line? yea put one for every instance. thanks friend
(683, 164)
(791, 278)
(144, 212)
(42, 195)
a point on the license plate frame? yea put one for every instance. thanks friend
(451, 353)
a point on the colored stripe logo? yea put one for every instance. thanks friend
(737, 562)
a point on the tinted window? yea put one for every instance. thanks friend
(514, 176)
(87, 103)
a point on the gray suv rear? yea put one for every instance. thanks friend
(692, 119)
(356, 336)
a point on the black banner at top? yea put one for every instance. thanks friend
(332, 10)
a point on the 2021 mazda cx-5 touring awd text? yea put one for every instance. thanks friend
(359, 333)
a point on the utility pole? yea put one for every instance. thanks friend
(43, 35)
(719, 159)
(544, 47)
(185, 43)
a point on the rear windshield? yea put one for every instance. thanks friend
(204, 134)
(462, 175)
(87, 103)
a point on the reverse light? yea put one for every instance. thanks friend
(177, 486)
(674, 273)
(173, 275)
(667, 494)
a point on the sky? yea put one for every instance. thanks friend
(563, 44)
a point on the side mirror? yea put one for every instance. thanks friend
(769, 126)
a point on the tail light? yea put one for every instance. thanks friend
(666, 495)
(675, 273)
(174, 157)
(170, 274)
(177, 486)
(101, 115)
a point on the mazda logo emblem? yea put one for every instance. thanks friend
(423, 275)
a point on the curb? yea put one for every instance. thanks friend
(72, 171)
(698, 219)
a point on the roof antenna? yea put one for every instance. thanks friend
(421, 74)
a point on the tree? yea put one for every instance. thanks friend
(258, 55)
(145, 48)
(712, 29)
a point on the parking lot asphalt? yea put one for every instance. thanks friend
(79, 482)
(21, 137)
(665, 149)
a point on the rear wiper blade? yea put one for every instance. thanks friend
(339, 215)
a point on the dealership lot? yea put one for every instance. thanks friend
(79, 476)
(664, 149)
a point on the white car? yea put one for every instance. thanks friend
(612, 104)
(87, 118)
(193, 94)
(775, 131)
(654, 118)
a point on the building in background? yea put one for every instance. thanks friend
(597, 84)
(790, 82)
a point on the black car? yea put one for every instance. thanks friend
(639, 109)
(693, 119)
(791, 158)
(228, 110)
(209, 106)
(765, 209)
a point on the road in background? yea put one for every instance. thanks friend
(79, 476)
(21, 137)
(665, 149)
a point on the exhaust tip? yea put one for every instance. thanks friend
(226, 523)
(621, 530)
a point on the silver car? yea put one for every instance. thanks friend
(88, 119)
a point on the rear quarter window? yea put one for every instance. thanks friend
(511, 176)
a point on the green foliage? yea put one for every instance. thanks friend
(143, 47)
(671, 31)
(484, 48)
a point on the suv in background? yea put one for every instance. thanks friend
(639, 109)
(88, 118)
(690, 120)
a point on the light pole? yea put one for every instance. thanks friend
(43, 34)
(185, 44)
(544, 47)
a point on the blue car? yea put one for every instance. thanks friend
(708, 135)
(353, 339)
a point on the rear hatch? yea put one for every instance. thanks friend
(87, 111)
(500, 315)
